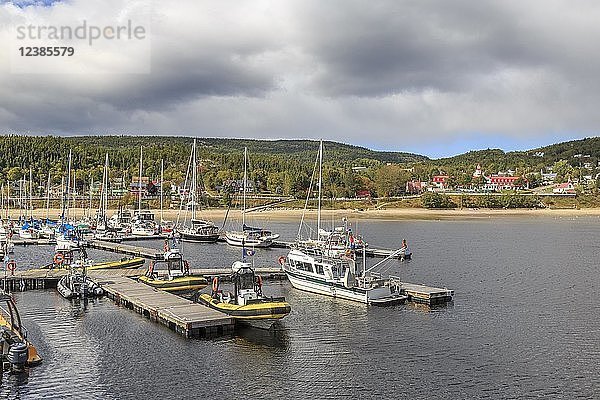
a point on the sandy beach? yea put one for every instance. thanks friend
(385, 214)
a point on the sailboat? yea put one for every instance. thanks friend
(66, 238)
(164, 226)
(311, 269)
(142, 223)
(199, 230)
(47, 229)
(249, 236)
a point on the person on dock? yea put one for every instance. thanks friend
(404, 251)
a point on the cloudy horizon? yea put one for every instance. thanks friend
(429, 77)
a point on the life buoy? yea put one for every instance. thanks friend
(59, 258)
(215, 284)
(281, 260)
(11, 266)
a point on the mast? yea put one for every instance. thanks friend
(320, 188)
(89, 213)
(245, 188)
(65, 211)
(140, 184)
(48, 199)
(193, 185)
(162, 178)
(104, 193)
(30, 193)
(8, 200)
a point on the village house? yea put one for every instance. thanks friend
(501, 182)
(416, 187)
(564, 188)
(440, 182)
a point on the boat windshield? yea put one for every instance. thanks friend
(246, 281)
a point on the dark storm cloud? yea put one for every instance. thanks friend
(389, 74)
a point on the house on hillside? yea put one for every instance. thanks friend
(564, 188)
(416, 187)
(363, 194)
(440, 181)
(500, 182)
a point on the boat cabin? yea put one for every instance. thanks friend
(247, 286)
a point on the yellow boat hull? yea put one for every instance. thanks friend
(180, 284)
(264, 310)
(130, 263)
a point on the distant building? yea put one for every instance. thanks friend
(237, 185)
(499, 182)
(547, 178)
(147, 186)
(416, 187)
(564, 188)
(440, 181)
(363, 194)
(477, 173)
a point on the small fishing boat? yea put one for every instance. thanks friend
(14, 346)
(177, 278)
(247, 302)
(76, 284)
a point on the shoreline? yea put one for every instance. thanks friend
(393, 214)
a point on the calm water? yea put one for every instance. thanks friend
(524, 324)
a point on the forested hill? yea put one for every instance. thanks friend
(285, 163)
(574, 152)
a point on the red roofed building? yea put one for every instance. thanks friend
(497, 182)
(440, 181)
(564, 188)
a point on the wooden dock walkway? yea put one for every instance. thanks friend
(422, 293)
(181, 315)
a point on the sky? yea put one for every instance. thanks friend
(437, 78)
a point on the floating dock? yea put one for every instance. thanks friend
(421, 293)
(181, 315)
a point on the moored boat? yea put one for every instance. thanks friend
(14, 345)
(76, 284)
(247, 303)
(338, 277)
(177, 278)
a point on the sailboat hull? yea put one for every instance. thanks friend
(190, 237)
